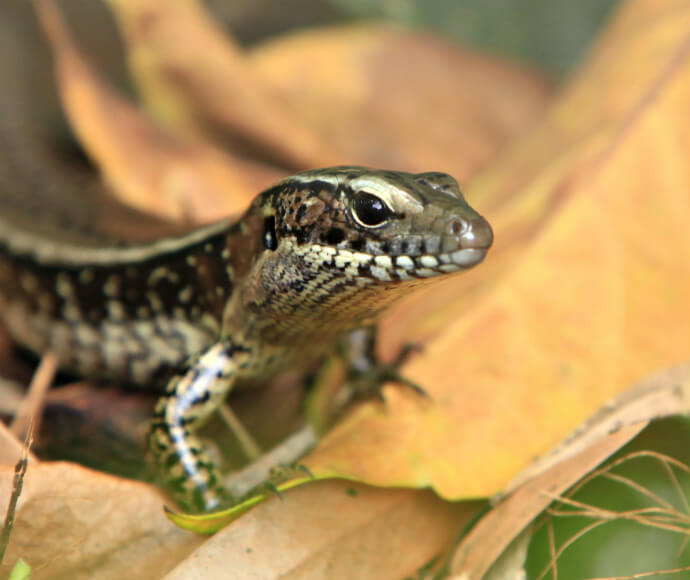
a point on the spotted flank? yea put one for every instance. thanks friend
(315, 257)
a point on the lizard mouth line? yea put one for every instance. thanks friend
(432, 265)
(404, 267)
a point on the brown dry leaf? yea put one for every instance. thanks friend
(385, 534)
(190, 72)
(147, 166)
(660, 395)
(593, 252)
(388, 97)
(76, 523)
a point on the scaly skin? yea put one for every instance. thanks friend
(315, 257)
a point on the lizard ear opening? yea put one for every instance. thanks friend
(270, 237)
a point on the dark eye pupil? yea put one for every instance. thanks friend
(370, 210)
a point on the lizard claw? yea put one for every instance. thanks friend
(370, 381)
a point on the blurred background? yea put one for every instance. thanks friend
(549, 34)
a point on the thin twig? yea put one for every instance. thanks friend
(639, 488)
(566, 545)
(663, 516)
(676, 485)
(635, 455)
(17, 486)
(30, 410)
(288, 451)
(552, 552)
(640, 516)
(249, 445)
(643, 574)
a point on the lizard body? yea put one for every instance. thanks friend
(318, 255)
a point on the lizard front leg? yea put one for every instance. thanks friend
(189, 400)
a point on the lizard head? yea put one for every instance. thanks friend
(383, 226)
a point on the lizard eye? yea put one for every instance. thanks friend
(369, 210)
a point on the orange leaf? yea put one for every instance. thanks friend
(387, 97)
(592, 270)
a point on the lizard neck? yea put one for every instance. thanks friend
(286, 300)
